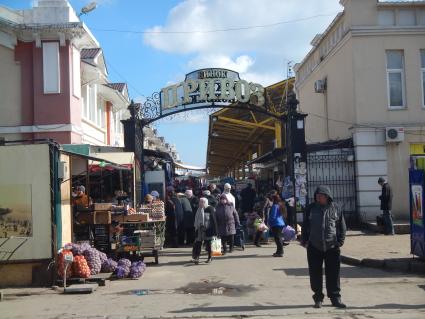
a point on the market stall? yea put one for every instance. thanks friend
(140, 233)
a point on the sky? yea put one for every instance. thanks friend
(153, 43)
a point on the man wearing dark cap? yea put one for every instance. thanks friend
(386, 199)
(323, 233)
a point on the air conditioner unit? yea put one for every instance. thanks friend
(394, 134)
(320, 86)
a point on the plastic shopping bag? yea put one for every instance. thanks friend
(216, 246)
(257, 223)
(262, 227)
(289, 233)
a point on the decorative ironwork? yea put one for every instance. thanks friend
(151, 108)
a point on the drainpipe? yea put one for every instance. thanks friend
(325, 96)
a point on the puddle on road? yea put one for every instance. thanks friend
(203, 287)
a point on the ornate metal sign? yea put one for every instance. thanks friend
(211, 86)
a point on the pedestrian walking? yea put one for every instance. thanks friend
(205, 225)
(211, 198)
(174, 219)
(386, 199)
(194, 201)
(248, 195)
(323, 233)
(230, 197)
(276, 223)
(215, 191)
(188, 220)
(227, 221)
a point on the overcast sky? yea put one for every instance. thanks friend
(269, 34)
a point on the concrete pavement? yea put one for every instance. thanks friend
(379, 251)
(248, 283)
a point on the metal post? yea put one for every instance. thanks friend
(142, 157)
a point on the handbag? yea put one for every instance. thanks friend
(216, 247)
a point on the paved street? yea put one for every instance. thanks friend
(246, 283)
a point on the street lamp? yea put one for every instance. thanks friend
(88, 8)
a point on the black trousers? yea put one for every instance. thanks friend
(230, 239)
(197, 247)
(257, 236)
(190, 235)
(181, 232)
(332, 261)
(277, 234)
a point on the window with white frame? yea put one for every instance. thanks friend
(85, 101)
(76, 73)
(100, 119)
(395, 79)
(423, 76)
(117, 122)
(92, 98)
(51, 67)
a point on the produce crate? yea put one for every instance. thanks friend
(134, 218)
(84, 217)
(103, 206)
(102, 217)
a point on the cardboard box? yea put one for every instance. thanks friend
(103, 206)
(101, 217)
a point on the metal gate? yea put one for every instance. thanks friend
(335, 169)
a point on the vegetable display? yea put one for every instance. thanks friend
(137, 269)
(122, 271)
(109, 265)
(61, 264)
(80, 267)
(93, 260)
(90, 261)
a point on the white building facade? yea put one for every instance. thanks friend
(364, 78)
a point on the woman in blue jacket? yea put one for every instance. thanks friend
(276, 224)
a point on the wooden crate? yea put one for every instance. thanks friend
(136, 218)
(84, 218)
(101, 217)
(103, 206)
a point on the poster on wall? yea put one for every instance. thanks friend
(417, 208)
(15, 211)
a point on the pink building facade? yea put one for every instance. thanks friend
(54, 79)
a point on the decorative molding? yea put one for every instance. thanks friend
(41, 129)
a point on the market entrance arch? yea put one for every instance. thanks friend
(216, 89)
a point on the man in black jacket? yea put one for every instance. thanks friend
(323, 233)
(386, 199)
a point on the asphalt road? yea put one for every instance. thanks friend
(248, 283)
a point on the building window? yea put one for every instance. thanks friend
(420, 15)
(92, 99)
(406, 17)
(118, 124)
(85, 101)
(386, 17)
(395, 79)
(76, 73)
(101, 114)
(423, 76)
(51, 67)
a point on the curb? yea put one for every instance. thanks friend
(414, 266)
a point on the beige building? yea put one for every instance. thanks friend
(364, 76)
